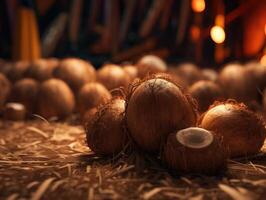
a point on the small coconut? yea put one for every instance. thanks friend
(25, 91)
(155, 108)
(189, 72)
(237, 83)
(75, 72)
(113, 76)
(257, 72)
(132, 71)
(106, 134)
(209, 74)
(191, 150)
(5, 86)
(18, 70)
(14, 112)
(92, 95)
(42, 69)
(205, 92)
(88, 116)
(242, 130)
(55, 99)
(150, 64)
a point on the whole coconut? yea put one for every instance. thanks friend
(92, 95)
(18, 70)
(132, 71)
(88, 116)
(189, 72)
(106, 134)
(257, 72)
(55, 99)
(155, 108)
(237, 83)
(209, 74)
(14, 111)
(75, 72)
(242, 130)
(205, 92)
(191, 150)
(5, 86)
(150, 64)
(42, 69)
(25, 91)
(113, 76)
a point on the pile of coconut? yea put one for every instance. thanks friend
(191, 119)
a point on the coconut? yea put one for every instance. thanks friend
(92, 95)
(4, 89)
(113, 76)
(55, 99)
(257, 72)
(14, 112)
(106, 134)
(189, 72)
(25, 91)
(209, 74)
(237, 83)
(242, 130)
(131, 70)
(75, 72)
(191, 150)
(155, 108)
(18, 70)
(42, 69)
(88, 116)
(150, 64)
(205, 92)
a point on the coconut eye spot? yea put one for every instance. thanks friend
(195, 138)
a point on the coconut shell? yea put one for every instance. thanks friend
(257, 72)
(209, 74)
(42, 69)
(184, 155)
(150, 64)
(205, 93)
(55, 99)
(113, 76)
(75, 72)
(106, 134)
(18, 70)
(132, 71)
(92, 95)
(237, 83)
(242, 130)
(88, 116)
(155, 108)
(25, 91)
(5, 86)
(14, 112)
(189, 72)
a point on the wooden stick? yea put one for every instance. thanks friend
(166, 14)
(74, 22)
(151, 18)
(183, 21)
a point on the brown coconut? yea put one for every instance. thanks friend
(113, 76)
(55, 99)
(18, 70)
(189, 72)
(242, 130)
(14, 111)
(150, 64)
(5, 86)
(42, 69)
(88, 116)
(195, 150)
(209, 74)
(237, 83)
(25, 91)
(106, 134)
(155, 108)
(132, 71)
(205, 92)
(92, 95)
(75, 72)
(257, 71)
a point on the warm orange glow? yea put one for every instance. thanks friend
(217, 34)
(263, 60)
(219, 20)
(194, 33)
(198, 5)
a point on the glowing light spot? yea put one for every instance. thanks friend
(198, 5)
(263, 60)
(217, 34)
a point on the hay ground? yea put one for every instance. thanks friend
(41, 160)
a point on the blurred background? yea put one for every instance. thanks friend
(208, 33)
